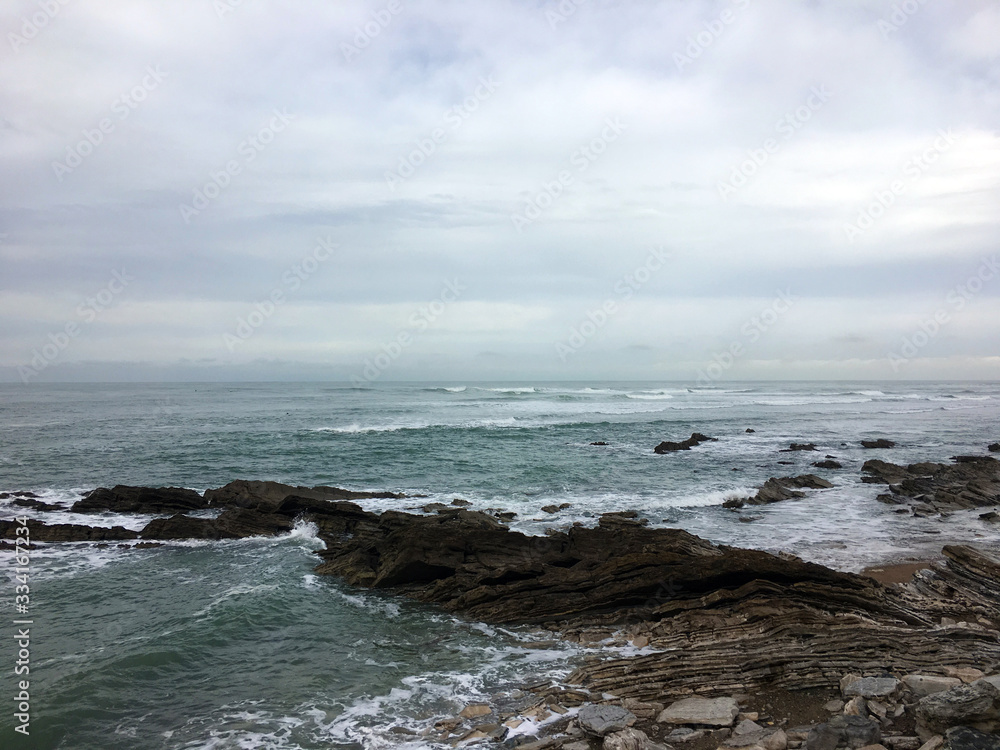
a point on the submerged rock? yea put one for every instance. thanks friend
(776, 489)
(66, 532)
(799, 447)
(880, 443)
(828, 464)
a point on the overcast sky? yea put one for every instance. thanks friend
(499, 190)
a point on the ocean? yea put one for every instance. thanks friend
(238, 644)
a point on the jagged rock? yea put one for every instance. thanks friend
(460, 503)
(844, 732)
(994, 448)
(967, 738)
(600, 720)
(799, 447)
(776, 489)
(990, 517)
(833, 707)
(685, 445)
(750, 431)
(684, 734)
(828, 464)
(233, 523)
(746, 726)
(976, 705)
(27, 502)
(970, 482)
(922, 685)
(880, 443)
(630, 739)
(712, 712)
(869, 687)
(856, 706)
(268, 496)
(125, 499)
(66, 532)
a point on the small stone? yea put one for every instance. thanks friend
(475, 734)
(834, 706)
(402, 730)
(856, 706)
(841, 731)
(746, 726)
(777, 741)
(578, 745)
(475, 710)
(684, 734)
(715, 712)
(922, 685)
(640, 641)
(599, 721)
(513, 723)
(877, 708)
(902, 743)
(629, 739)
(557, 709)
(749, 716)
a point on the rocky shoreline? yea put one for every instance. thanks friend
(733, 648)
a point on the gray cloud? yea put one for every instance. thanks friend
(114, 116)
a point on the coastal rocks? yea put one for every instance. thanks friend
(828, 464)
(844, 732)
(921, 685)
(124, 499)
(976, 705)
(269, 496)
(967, 738)
(880, 443)
(475, 710)
(794, 447)
(994, 448)
(235, 523)
(969, 482)
(777, 489)
(67, 532)
(599, 720)
(711, 712)
(685, 445)
(556, 508)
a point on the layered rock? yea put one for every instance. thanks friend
(268, 496)
(969, 482)
(777, 489)
(123, 499)
(67, 532)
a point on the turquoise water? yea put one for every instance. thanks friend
(239, 645)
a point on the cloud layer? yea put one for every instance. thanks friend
(609, 189)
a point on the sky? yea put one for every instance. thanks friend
(500, 190)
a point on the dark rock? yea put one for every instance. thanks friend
(991, 517)
(939, 488)
(599, 442)
(976, 705)
(777, 489)
(18, 493)
(37, 504)
(268, 496)
(460, 503)
(685, 445)
(750, 431)
(844, 731)
(124, 499)
(994, 448)
(967, 738)
(880, 443)
(799, 447)
(828, 464)
(66, 532)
